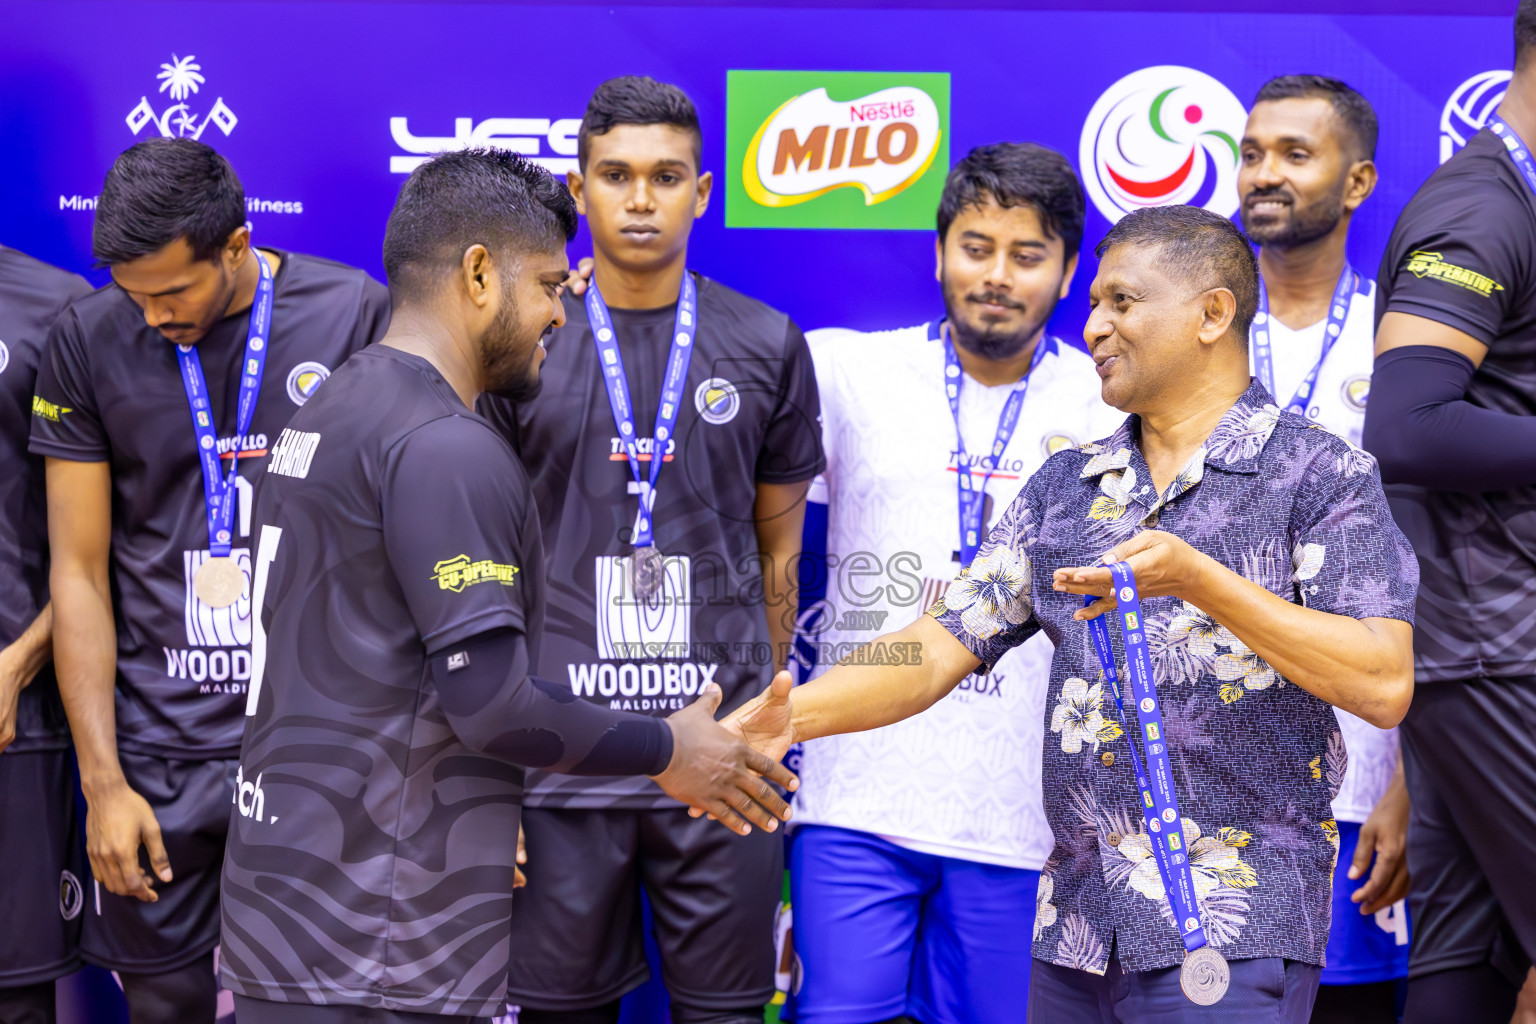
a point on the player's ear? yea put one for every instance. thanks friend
(476, 271)
(237, 248)
(705, 186)
(576, 185)
(1066, 281)
(1359, 184)
(938, 258)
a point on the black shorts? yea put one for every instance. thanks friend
(576, 940)
(42, 868)
(192, 802)
(1472, 828)
(262, 1011)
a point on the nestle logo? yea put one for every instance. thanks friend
(882, 111)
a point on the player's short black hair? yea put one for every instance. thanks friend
(160, 190)
(636, 99)
(1014, 174)
(1525, 32)
(488, 197)
(1353, 110)
(1199, 248)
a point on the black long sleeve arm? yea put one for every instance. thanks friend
(497, 708)
(1423, 431)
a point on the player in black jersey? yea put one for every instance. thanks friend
(1452, 421)
(722, 410)
(39, 847)
(152, 664)
(400, 588)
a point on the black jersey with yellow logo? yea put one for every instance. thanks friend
(109, 390)
(370, 858)
(31, 295)
(1463, 254)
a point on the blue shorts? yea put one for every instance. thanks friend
(883, 931)
(1362, 948)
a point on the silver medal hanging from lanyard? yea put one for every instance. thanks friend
(647, 565)
(219, 582)
(1204, 976)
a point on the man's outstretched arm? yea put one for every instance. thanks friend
(853, 697)
(498, 709)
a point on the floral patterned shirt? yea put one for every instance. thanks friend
(1256, 759)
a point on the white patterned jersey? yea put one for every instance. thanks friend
(963, 778)
(1338, 403)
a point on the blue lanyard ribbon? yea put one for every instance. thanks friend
(973, 499)
(219, 487)
(1263, 356)
(1159, 802)
(1518, 151)
(619, 402)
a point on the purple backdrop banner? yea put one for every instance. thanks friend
(322, 106)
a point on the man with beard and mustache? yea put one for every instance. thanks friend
(916, 861)
(399, 597)
(1306, 167)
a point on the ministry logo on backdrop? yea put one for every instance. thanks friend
(180, 80)
(1468, 108)
(835, 149)
(549, 143)
(1160, 136)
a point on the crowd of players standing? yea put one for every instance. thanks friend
(922, 848)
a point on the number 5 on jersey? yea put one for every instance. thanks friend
(266, 554)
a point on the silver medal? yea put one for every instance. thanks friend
(647, 570)
(1204, 976)
(219, 582)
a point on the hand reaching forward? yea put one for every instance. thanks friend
(714, 771)
(765, 722)
(1162, 563)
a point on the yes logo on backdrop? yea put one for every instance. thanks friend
(1468, 108)
(1160, 136)
(180, 80)
(836, 149)
(549, 143)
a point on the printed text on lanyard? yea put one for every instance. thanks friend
(973, 499)
(1204, 976)
(219, 581)
(647, 566)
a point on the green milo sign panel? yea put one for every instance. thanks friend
(835, 149)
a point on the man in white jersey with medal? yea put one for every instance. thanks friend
(1263, 580)
(915, 866)
(1306, 167)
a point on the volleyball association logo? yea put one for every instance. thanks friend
(1161, 136)
(1467, 109)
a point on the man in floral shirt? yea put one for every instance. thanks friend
(1274, 583)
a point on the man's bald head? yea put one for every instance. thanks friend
(1198, 249)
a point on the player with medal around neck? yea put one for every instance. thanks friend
(728, 508)
(1174, 291)
(152, 661)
